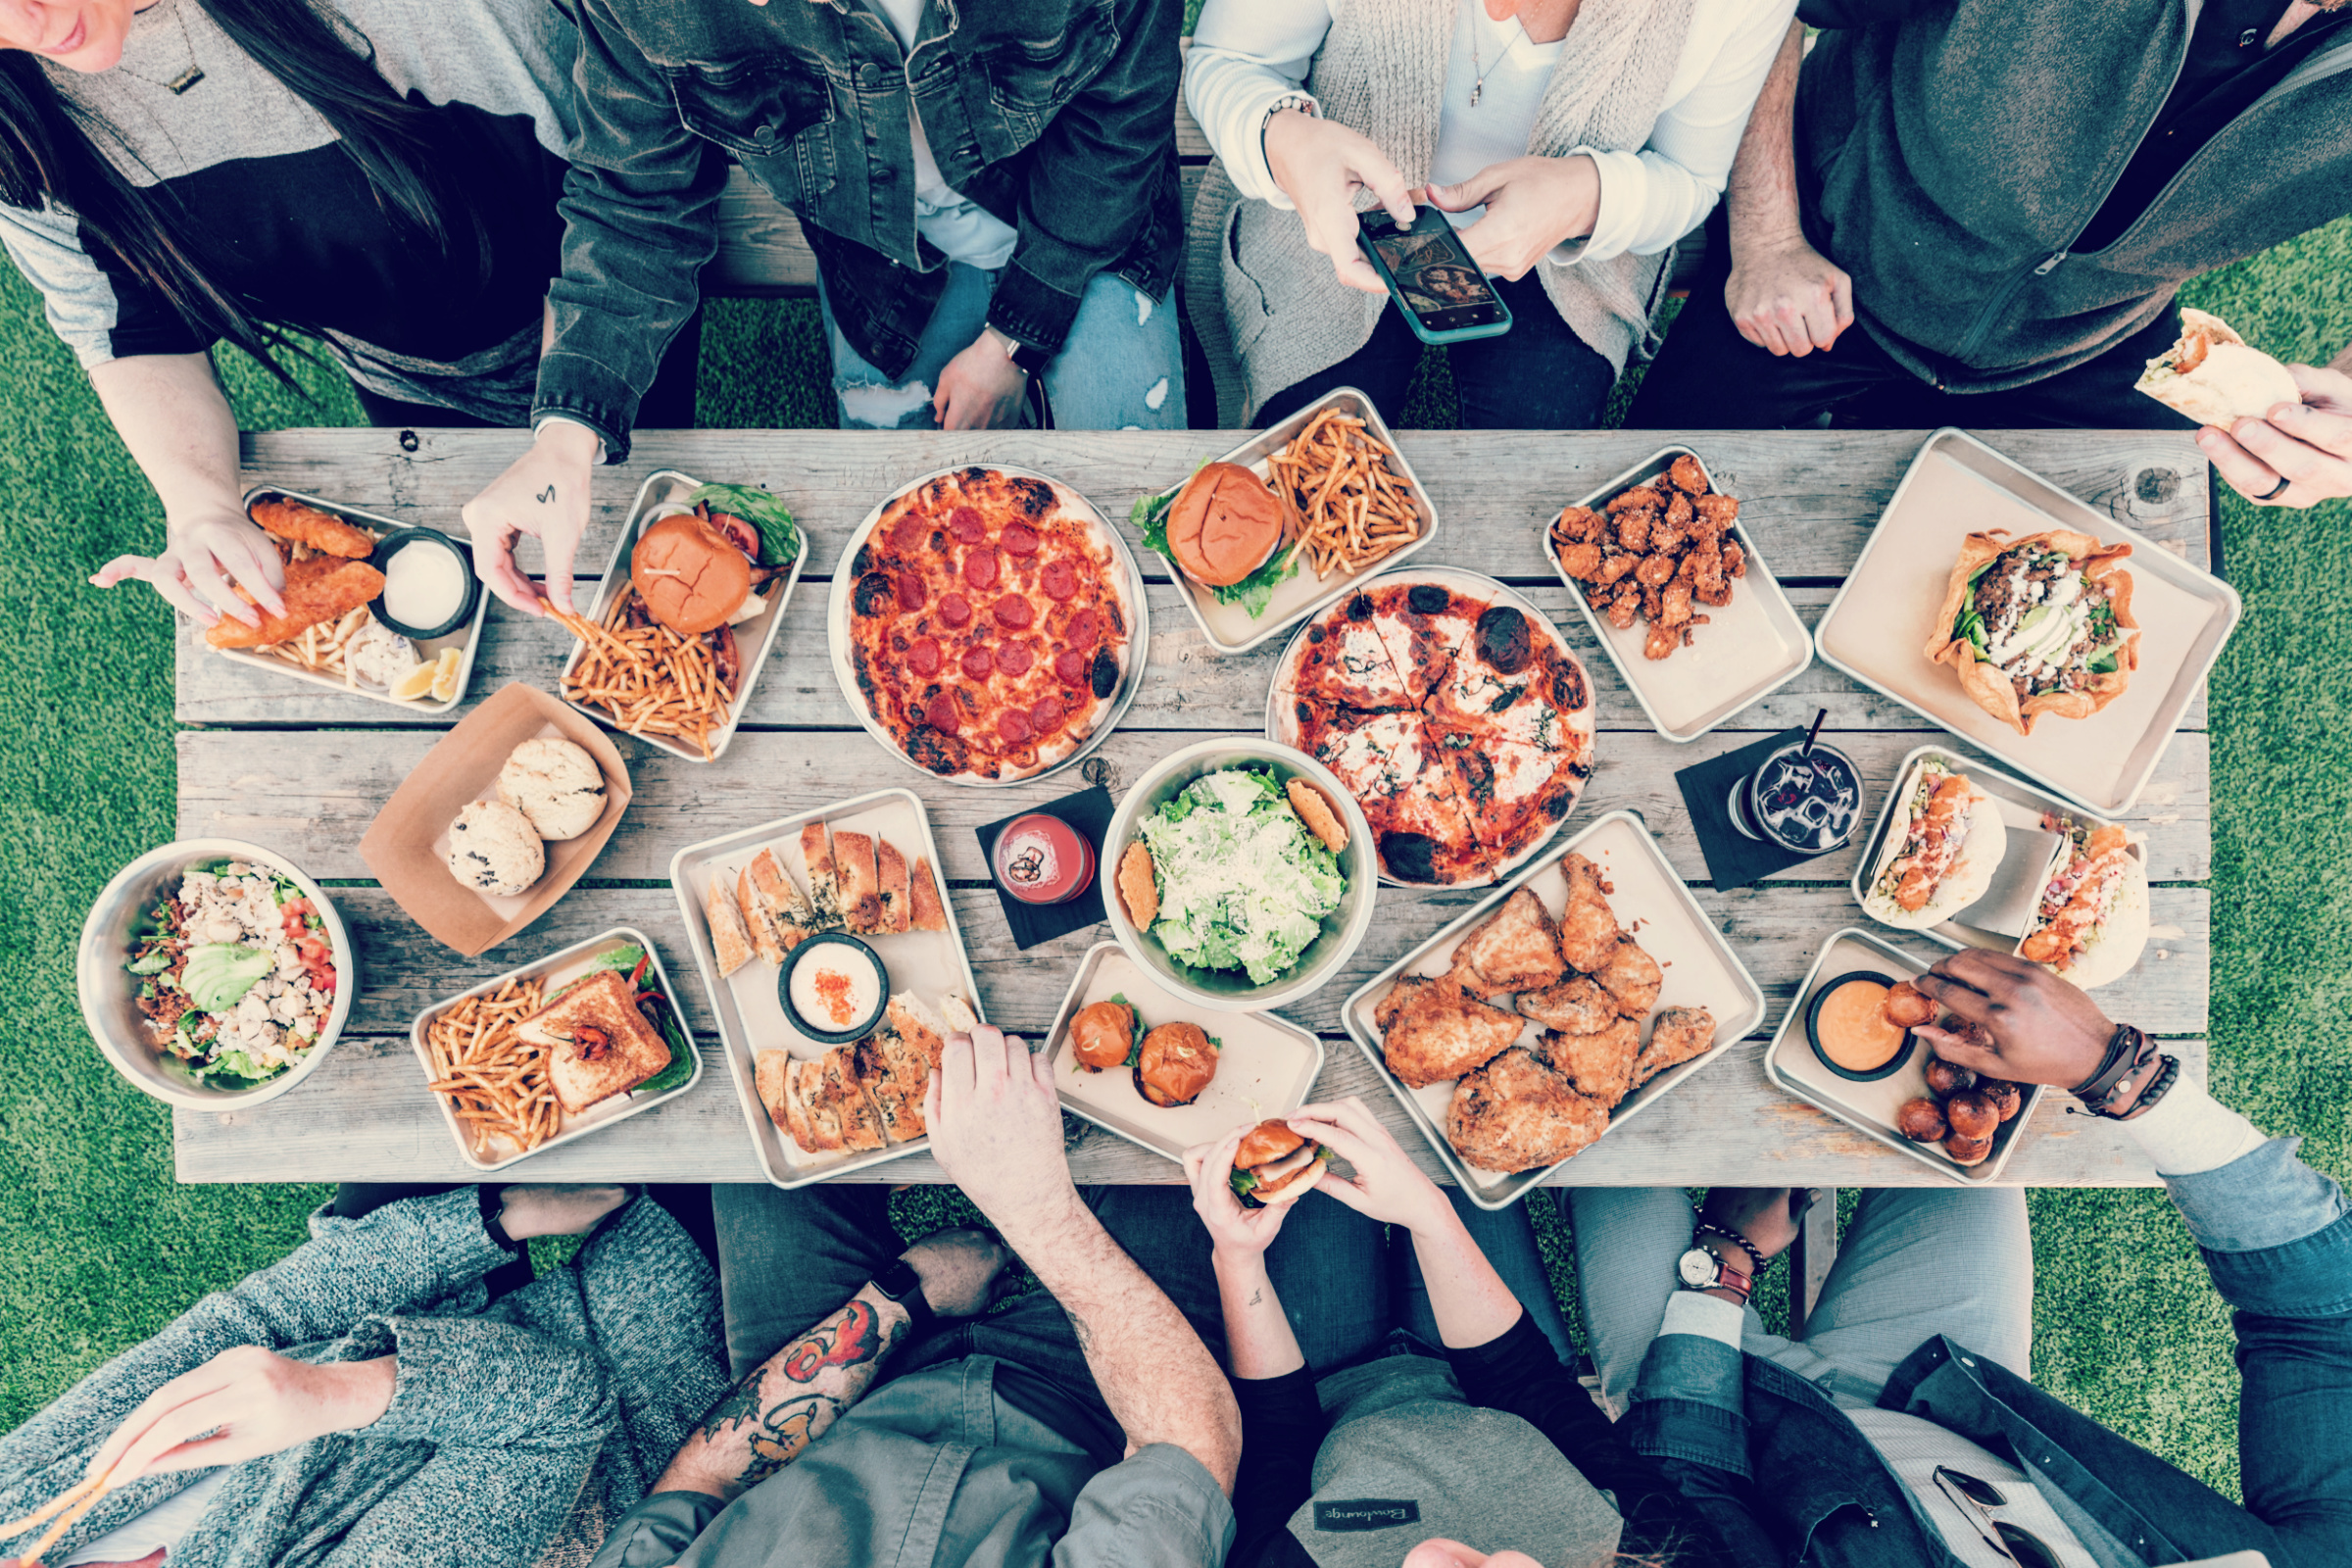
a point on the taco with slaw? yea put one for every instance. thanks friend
(2214, 376)
(2038, 625)
(2093, 920)
(1940, 855)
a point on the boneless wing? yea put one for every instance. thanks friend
(1438, 1033)
(1515, 949)
(1515, 1113)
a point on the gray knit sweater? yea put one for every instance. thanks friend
(1382, 71)
(517, 1433)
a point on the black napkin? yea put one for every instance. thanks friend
(1089, 812)
(1733, 860)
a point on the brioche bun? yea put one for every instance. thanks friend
(1223, 525)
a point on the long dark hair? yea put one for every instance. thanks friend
(47, 149)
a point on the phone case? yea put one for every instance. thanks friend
(1413, 317)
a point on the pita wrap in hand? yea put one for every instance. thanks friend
(1940, 856)
(2214, 377)
(2093, 920)
(1954, 637)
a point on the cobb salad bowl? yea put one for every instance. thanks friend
(1339, 931)
(111, 936)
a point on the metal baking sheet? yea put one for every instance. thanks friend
(468, 638)
(1282, 724)
(1749, 648)
(931, 964)
(1230, 630)
(755, 637)
(2022, 806)
(1877, 628)
(1266, 1064)
(837, 628)
(1702, 971)
(560, 968)
(1790, 1062)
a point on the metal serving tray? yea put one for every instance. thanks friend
(751, 1018)
(1228, 628)
(467, 637)
(2021, 805)
(1749, 649)
(1266, 1064)
(1877, 628)
(597, 1118)
(1790, 1062)
(755, 637)
(1700, 971)
(837, 628)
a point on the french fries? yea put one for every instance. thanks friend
(321, 648)
(494, 1080)
(1347, 508)
(649, 678)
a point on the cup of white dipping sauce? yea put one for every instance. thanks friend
(429, 586)
(834, 987)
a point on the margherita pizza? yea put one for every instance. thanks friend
(989, 624)
(1457, 719)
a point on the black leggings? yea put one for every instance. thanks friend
(668, 405)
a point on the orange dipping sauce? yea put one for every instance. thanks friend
(1852, 1027)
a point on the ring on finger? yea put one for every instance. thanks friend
(2284, 485)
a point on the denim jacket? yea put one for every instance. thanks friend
(1055, 116)
(1789, 1479)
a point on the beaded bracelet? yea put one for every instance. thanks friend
(1707, 1227)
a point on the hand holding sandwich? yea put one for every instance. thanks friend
(2307, 444)
(1387, 1185)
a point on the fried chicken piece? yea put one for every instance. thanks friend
(1515, 1113)
(1588, 928)
(1717, 593)
(1632, 977)
(1577, 525)
(1578, 1007)
(319, 591)
(1633, 528)
(1634, 497)
(1716, 513)
(299, 525)
(1735, 558)
(1680, 512)
(1626, 603)
(1662, 640)
(1680, 1034)
(1437, 1032)
(1517, 947)
(1614, 568)
(1656, 572)
(1581, 561)
(1686, 475)
(1600, 1063)
(1674, 604)
(1669, 535)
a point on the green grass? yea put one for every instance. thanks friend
(99, 1248)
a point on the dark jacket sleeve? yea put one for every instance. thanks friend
(1518, 1372)
(1282, 1427)
(1854, 12)
(1096, 176)
(641, 219)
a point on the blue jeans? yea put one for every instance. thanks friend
(1121, 367)
(1538, 376)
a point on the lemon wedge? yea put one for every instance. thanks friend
(445, 675)
(415, 685)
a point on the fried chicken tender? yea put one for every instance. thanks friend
(1626, 604)
(1716, 513)
(1662, 640)
(1627, 500)
(319, 591)
(1578, 1007)
(1517, 947)
(297, 523)
(1668, 533)
(1615, 568)
(1656, 572)
(1600, 1063)
(1680, 1034)
(1581, 561)
(1432, 1031)
(1516, 1114)
(1674, 604)
(1735, 558)
(1687, 475)
(1588, 928)
(1632, 977)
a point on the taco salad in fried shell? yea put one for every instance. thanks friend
(2038, 625)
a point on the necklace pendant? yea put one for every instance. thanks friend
(186, 79)
(1476, 89)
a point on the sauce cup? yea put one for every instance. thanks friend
(859, 967)
(1813, 1009)
(470, 587)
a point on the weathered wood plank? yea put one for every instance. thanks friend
(311, 794)
(1186, 686)
(365, 1115)
(1776, 932)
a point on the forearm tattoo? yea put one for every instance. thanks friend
(787, 1402)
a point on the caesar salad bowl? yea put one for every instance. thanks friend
(109, 993)
(1324, 957)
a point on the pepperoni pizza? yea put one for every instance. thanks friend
(1456, 718)
(990, 622)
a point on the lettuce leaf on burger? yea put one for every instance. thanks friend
(1276, 1164)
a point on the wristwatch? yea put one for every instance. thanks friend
(1700, 1270)
(1030, 358)
(902, 1285)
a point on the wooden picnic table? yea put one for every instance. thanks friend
(304, 771)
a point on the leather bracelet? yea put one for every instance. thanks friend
(2125, 1051)
(494, 1210)
(1707, 1227)
(2158, 1087)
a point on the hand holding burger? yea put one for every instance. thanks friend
(1387, 1186)
(1236, 1234)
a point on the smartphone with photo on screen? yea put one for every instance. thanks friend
(1445, 295)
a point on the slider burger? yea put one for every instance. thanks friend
(1174, 1063)
(1940, 856)
(1103, 1035)
(1224, 524)
(1276, 1166)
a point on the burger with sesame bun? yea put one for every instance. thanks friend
(1276, 1164)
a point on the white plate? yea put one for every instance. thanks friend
(1749, 649)
(751, 1016)
(1877, 628)
(1139, 635)
(1650, 901)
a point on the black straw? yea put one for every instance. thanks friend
(1813, 734)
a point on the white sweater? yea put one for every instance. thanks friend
(1247, 54)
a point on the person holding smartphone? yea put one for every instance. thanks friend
(1568, 144)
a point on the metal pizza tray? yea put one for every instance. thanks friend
(757, 637)
(837, 626)
(1283, 729)
(1749, 649)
